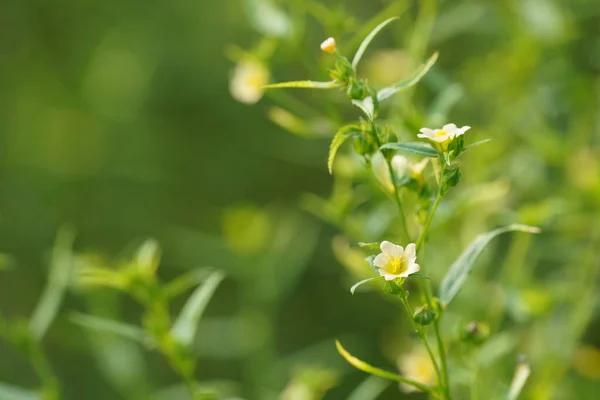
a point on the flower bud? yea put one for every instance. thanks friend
(392, 287)
(357, 90)
(328, 46)
(424, 316)
(475, 332)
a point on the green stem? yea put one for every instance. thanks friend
(442, 351)
(396, 191)
(51, 388)
(423, 336)
(436, 203)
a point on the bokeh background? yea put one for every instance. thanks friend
(116, 119)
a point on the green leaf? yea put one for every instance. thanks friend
(187, 281)
(367, 106)
(110, 326)
(185, 327)
(520, 377)
(357, 284)
(422, 149)
(371, 246)
(370, 389)
(389, 91)
(419, 276)
(338, 140)
(304, 85)
(460, 269)
(11, 392)
(363, 366)
(367, 41)
(268, 19)
(476, 144)
(58, 279)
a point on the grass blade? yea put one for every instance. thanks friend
(367, 41)
(185, 327)
(412, 147)
(389, 91)
(363, 366)
(11, 392)
(460, 269)
(58, 279)
(109, 326)
(304, 85)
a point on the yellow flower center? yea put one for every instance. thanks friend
(440, 133)
(396, 266)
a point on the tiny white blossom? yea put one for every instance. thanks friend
(328, 46)
(396, 262)
(448, 132)
(247, 81)
(417, 366)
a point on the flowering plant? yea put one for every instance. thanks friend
(378, 147)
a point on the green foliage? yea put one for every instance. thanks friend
(461, 268)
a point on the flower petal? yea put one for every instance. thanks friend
(380, 260)
(410, 253)
(465, 128)
(387, 276)
(413, 269)
(391, 250)
(449, 127)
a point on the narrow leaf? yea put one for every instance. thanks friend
(370, 389)
(363, 366)
(389, 91)
(371, 246)
(338, 140)
(304, 84)
(11, 392)
(58, 279)
(185, 327)
(422, 149)
(367, 106)
(367, 41)
(187, 281)
(110, 326)
(476, 144)
(357, 284)
(419, 276)
(522, 373)
(460, 269)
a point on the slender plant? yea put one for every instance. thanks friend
(380, 150)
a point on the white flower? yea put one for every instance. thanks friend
(328, 46)
(247, 81)
(396, 262)
(448, 132)
(400, 166)
(417, 366)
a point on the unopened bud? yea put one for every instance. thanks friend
(475, 332)
(328, 46)
(424, 316)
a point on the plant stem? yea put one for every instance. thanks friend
(436, 203)
(442, 351)
(51, 388)
(393, 179)
(423, 336)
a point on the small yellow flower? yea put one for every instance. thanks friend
(446, 134)
(328, 46)
(396, 262)
(417, 366)
(247, 81)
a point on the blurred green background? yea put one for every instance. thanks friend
(116, 119)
